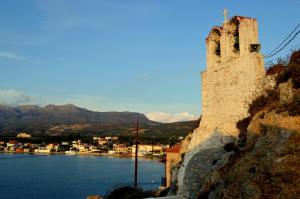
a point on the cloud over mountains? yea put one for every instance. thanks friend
(13, 97)
(166, 117)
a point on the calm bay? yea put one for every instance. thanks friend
(29, 176)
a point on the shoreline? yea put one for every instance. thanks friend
(87, 153)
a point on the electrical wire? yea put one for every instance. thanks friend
(294, 30)
(268, 56)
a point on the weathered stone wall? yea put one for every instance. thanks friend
(234, 77)
(226, 94)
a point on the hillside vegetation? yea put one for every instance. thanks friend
(265, 161)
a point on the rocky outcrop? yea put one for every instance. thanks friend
(196, 174)
(264, 161)
(266, 167)
(199, 163)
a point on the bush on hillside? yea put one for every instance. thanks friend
(295, 75)
(294, 107)
(262, 102)
(295, 57)
(271, 97)
(277, 68)
(242, 125)
(291, 71)
(288, 68)
(231, 146)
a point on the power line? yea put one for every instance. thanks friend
(268, 56)
(294, 30)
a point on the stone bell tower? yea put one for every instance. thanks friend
(233, 76)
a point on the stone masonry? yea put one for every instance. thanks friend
(234, 77)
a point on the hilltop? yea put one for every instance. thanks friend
(65, 119)
(65, 114)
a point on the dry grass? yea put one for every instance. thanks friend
(286, 69)
(277, 68)
(292, 70)
(262, 102)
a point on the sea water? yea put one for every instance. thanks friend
(29, 176)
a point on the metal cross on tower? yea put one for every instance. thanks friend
(225, 13)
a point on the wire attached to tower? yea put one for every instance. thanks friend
(280, 47)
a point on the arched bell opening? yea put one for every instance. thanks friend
(215, 44)
(233, 35)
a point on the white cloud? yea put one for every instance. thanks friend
(168, 118)
(9, 55)
(13, 97)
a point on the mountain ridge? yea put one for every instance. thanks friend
(60, 120)
(67, 113)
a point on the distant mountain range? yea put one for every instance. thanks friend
(66, 114)
(65, 119)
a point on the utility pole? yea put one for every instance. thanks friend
(136, 154)
(152, 145)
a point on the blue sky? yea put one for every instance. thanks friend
(121, 55)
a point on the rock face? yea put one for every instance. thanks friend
(264, 161)
(209, 159)
(267, 167)
(198, 164)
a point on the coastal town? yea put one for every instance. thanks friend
(102, 146)
(108, 145)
